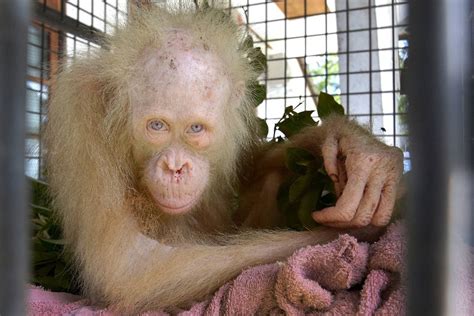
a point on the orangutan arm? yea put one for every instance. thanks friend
(134, 273)
(366, 174)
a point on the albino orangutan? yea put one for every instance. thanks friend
(149, 142)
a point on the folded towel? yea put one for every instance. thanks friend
(343, 277)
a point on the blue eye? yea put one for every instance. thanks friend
(196, 128)
(156, 125)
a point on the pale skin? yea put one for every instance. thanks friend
(167, 239)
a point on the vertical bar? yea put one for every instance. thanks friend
(326, 79)
(394, 56)
(77, 14)
(439, 87)
(116, 12)
(348, 82)
(44, 45)
(285, 56)
(63, 9)
(92, 16)
(14, 19)
(307, 79)
(105, 17)
(265, 42)
(371, 116)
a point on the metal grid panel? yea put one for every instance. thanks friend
(101, 15)
(43, 45)
(354, 50)
(60, 30)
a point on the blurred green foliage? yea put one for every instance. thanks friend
(51, 266)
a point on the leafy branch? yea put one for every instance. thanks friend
(309, 188)
(51, 265)
(257, 91)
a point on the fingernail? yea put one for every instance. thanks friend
(334, 177)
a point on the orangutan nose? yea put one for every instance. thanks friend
(175, 163)
(176, 168)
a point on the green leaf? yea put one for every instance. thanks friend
(39, 193)
(262, 127)
(308, 204)
(258, 60)
(60, 268)
(289, 110)
(43, 219)
(298, 187)
(315, 165)
(247, 43)
(44, 257)
(283, 194)
(258, 92)
(40, 210)
(46, 269)
(297, 159)
(61, 242)
(295, 123)
(53, 283)
(327, 106)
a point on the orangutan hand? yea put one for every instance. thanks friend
(366, 174)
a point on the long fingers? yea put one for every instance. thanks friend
(368, 205)
(330, 150)
(364, 183)
(376, 206)
(334, 164)
(341, 169)
(387, 202)
(346, 205)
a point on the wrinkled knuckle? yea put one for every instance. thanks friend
(358, 173)
(396, 154)
(362, 161)
(345, 216)
(355, 164)
(361, 221)
(389, 190)
(393, 174)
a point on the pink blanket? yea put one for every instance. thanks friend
(340, 278)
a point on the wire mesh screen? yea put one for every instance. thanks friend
(60, 29)
(356, 50)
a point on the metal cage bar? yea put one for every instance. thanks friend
(439, 76)
(14, 15)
